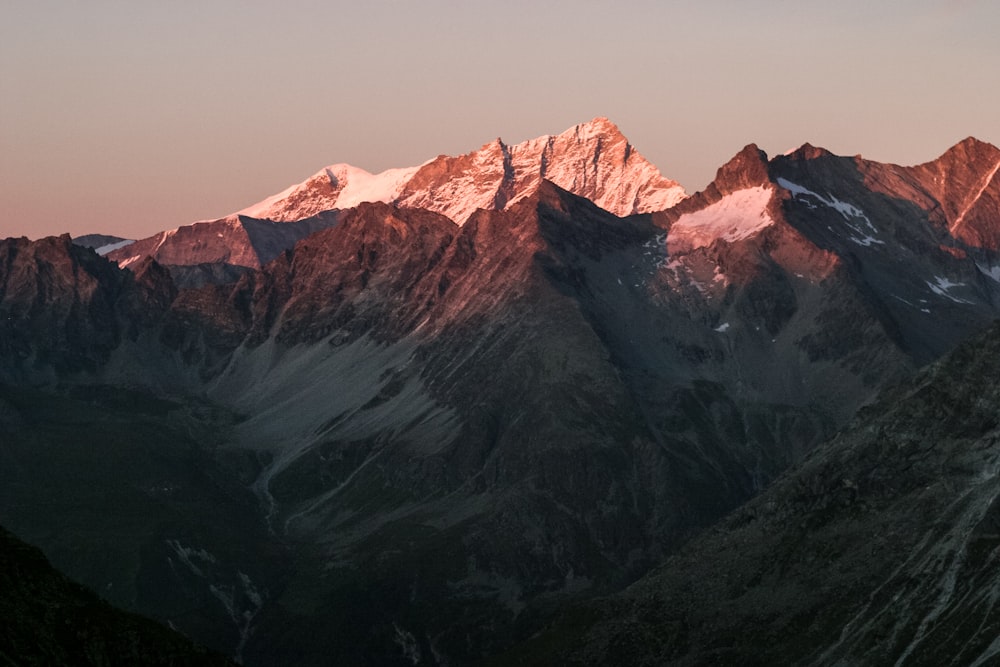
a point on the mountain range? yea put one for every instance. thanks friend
(407, 418)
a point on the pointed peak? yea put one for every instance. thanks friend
(601, 122)
(971, 149)
(746, 169)
(553, 195)
(973, 142)
(490, 145)
(596, 127)
(808, 152)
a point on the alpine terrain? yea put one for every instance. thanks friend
(417, 417)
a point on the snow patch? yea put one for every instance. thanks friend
(863, 230)
(365, 187)
(188, 555)
(111, 247)
(723, 328)
(942, 287)
(351, 186)
(735, 217)
(408, 643)
(992, 272)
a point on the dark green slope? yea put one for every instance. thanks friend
(124, 494)
(46, 619)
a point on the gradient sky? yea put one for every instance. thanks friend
(127, 117)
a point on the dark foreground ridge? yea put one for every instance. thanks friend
(46, 619)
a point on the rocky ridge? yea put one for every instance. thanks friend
(593, 160)
(556, 395)
(48, 620)
(879, 548)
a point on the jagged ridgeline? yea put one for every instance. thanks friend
(405, 417)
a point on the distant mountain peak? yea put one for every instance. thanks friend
(598, 126)
(746, 169)
(808, 152)
(592, 160)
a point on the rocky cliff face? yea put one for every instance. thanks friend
(63, 309)
(235, 241)
(879, 548)
(555, 396)
(593, 160)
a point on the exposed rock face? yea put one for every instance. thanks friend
(539, 404)
(236, 241)
(592, 160)
(63, 309)
(878, 549)
(966, 188)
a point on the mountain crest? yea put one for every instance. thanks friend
(592, 160)
(809, 152)
(964, 180)
(746, 169)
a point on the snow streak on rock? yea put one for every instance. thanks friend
(862, 230)
(735, 217)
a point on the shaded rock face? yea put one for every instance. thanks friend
(451, 429)
(236, 241)
(63, 309)
(878, 549)
(592, 160)
(49, 619)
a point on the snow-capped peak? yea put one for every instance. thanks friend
(337, 186)
(592, 159)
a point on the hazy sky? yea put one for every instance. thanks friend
(128, 117)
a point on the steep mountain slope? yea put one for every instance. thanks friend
(63, 309)
(235, 241)
(593, 160)
(880, 548)
(48, 619)
(923, 276)
(450, 430)
(964, 183)
(126, 493)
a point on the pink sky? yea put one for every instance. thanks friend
(129, 118)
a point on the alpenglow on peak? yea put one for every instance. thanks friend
(593, 160)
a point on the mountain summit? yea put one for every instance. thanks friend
(592, 160)
(412, 433)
